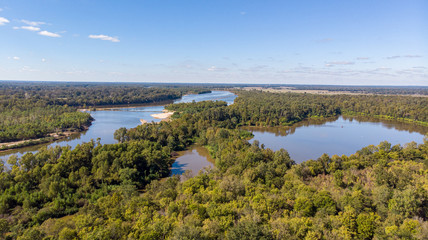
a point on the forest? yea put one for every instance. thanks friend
(34, 111)
(123, 190)
(382, 90)
(93, 94)
(273, 109)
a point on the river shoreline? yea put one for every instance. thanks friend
(120, 106)
(52, 137)
(164, 115)
(110, 118)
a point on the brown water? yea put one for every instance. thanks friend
(194, 159)
(341, 135)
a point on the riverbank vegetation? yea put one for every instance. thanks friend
(115, 191)
(23, 119)
(34, 111)
(276, 109)
(92, 94)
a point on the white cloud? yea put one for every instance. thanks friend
(29, 28)
(217, 69)
(43, 60)
(393, 57)
(28, 69)
(14, 58)
(412, 56)
(104, 37)
(404, 56)
(32, 23)
(3, 21)
(363, 58)
(382, 69)
(330, 64)
(49, 34)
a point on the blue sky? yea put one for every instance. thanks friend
(355, 42)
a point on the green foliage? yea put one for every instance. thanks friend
(58, 181)
(276, 109)
(4, 226)
(405, 203)
(248, 230)
(35, 110)
(194, 107)
(24, 119)
(115, 191)
(304, 206)
(324, 202)
(367, 224)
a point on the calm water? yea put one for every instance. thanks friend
(305, 140)
(310, 139)
(193, 159)
(108, 121)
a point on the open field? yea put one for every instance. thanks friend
(322, 92)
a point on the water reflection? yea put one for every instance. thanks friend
(284, 131)
(341, 135)
(392, 124)
(386, 123)
(193, 159)
(108, 119)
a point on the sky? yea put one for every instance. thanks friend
(352, 42)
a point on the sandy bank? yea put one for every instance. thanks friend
(164, 115)
(51, 137)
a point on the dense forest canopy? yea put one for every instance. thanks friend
(115, 191)
(25, 119)
(91, 94)
(33, 110)
(272, 109)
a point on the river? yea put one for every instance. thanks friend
(109, 120)
(310, 139)
(305, 140)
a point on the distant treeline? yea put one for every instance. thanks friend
(86, 94)
(35, 110)
(256, 108)
(198, 87)
(391, 90)
(112, 191)
(276, 109)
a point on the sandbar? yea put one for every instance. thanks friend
(163, 115)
